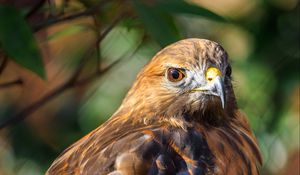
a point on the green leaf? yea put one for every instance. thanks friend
(17, 40)
(180, 6)
(160, 25)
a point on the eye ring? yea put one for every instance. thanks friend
(175, 74)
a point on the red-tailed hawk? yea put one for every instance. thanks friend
(179, 117)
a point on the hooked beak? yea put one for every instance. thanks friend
(214, 87)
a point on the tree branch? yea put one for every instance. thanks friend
(35, 8)
(98, 54)
(11, 83)
(104, 70)
(52, 20)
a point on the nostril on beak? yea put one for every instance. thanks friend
(212, 73)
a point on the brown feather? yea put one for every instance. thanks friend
(163, 129)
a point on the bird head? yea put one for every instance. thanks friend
(191, 78)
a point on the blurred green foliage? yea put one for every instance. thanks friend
(17, 40)
(262, 42)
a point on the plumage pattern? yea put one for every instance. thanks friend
(178, 118)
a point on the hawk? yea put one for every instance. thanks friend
(180, 117)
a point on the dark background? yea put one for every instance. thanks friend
(65, 66)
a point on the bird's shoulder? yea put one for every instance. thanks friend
(162, 147)
(136, 148)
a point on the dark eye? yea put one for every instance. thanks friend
(228, 71)
(175, 74)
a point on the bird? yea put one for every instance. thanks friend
(179, 117)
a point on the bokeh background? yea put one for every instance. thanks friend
(65, 66)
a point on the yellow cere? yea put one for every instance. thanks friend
(212, 73)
